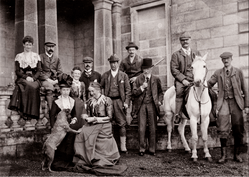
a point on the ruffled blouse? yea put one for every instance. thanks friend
(26, 59)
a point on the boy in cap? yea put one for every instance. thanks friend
(131, 65)
(148, 90)
(180, 66)
(232, 100)
(116, 86)
(51, 70)
(88, 75)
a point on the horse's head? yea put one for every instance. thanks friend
(199, 70)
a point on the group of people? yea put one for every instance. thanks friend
(97, 102)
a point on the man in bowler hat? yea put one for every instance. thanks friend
(148, 89)
(131, 65)
(180, 66)
(89, 75)
(116, 86)
(232, 100)
(51, 71)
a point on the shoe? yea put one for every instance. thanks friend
(141, 153)
(177, 119)
(124, 152)
(152, 153)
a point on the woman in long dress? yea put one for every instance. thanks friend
(26, 96)
(95, 147)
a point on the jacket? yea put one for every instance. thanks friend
(238, 83)
(123, 85)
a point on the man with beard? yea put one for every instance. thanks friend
(51, 70)
(181, 70)
(131, 65)
(116, 86)
(89, 75)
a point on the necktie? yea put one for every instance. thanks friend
(147, 79)
(227, 72)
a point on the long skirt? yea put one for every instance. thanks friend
(26, 98)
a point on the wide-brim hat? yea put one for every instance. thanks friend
(49, 43)
(131, 44)
(65, 81)
(113, 58)
(87, 60)
(147, 63)
(184, 35)
(226, 55)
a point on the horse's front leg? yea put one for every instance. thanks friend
(193, 127)
(204, 132)
(169, 121)
(181, 130)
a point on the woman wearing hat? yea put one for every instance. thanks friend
(26, 96)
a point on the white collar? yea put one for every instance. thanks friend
(186, 51)
(49, 55)
(114, 73)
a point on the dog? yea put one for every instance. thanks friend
(58, 132)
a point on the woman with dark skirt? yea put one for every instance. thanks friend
(26, 95)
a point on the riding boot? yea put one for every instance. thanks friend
(178, 110)
(237, 151)
(49, 98)
(223, 158)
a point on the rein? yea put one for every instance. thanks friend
(196, 96)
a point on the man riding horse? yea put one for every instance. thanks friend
(181, 70)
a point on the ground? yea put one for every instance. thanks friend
(175, 163)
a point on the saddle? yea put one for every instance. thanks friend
(213, 97)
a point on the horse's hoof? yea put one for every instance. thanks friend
(194, 159)
(169, 150)
(188, 151)
(209, 159)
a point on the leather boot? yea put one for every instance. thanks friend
(178, 110)
(223, 158)
(236, 154)
(49, 98)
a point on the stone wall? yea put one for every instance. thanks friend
(7, 41)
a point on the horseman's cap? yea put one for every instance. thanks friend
(49, 43)
(147, 63)
(113, 58)
(226, 55)
(184, 35)
(131, 44)
(87, 60)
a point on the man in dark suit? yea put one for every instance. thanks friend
(51, 70)
(116, 86)
(232, 100)
(89, 75)
(131, 65)
(148, 89)
(181, 70)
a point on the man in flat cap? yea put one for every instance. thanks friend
(116, 86)
(51, 70)
(131, 65)
(232, 100)
(148, 89)
(89, 75)
(181, 70)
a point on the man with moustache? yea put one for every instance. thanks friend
(232, 100)
(116, 86)
(51, 71)
(131, 65)
(89, 75)
(181, 70)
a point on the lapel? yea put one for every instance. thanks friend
(152, 83)
(108, 81)
(60, 104)
(233, 71)
(47, 60)
(182, 53)
(222, 75)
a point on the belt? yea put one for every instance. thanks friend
(115, 98)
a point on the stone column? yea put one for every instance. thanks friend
(103, 47)
(25, 23)
(3, 114)
(47, 23)
(116, 27)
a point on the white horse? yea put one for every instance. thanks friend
(198, 107)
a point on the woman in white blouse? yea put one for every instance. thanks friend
(26, 96)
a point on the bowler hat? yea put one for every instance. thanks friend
(49, 43)
(147, 63)
(87, 60)
(131, 44)
(113, 58)
(184, 35)
(226, 55)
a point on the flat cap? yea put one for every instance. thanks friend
(184, 35)
(113, 58)
(226, 55)
(49, 43)
(87, 60)
(131, 44)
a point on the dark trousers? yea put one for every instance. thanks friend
(181, 91)
(147, 115)
(236, 121)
